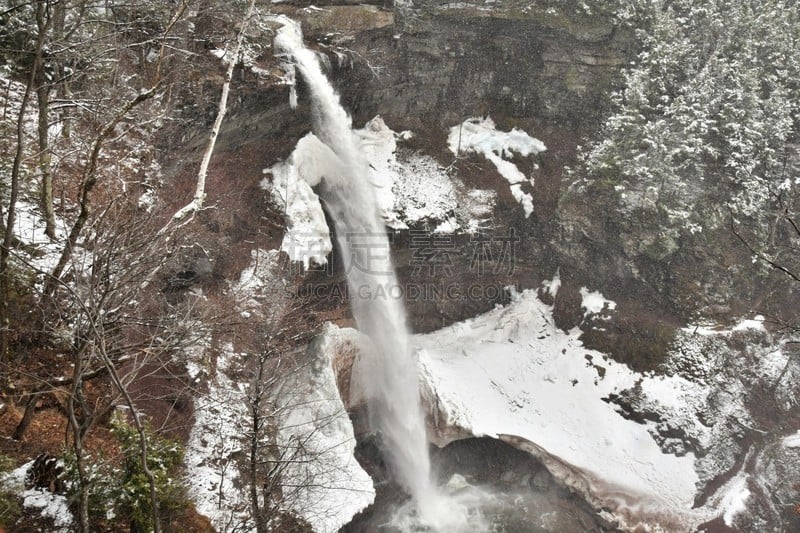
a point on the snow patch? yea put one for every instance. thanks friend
(792, 441)
(552, 286)
(756, 323)
(260, 276)
(551, 392)
(753, 324)
(49, 505)
(595, 303)
(53, 506)
(29, 228)
(412, 188)
(479, 135)
(735, 499)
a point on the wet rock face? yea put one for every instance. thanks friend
(439, 63)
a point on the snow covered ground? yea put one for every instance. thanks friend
(320, 478)
(30, 227)
(41, 252)
(513, 372)
(212, 476)
(221, 415)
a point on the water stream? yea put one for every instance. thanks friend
(390, 373)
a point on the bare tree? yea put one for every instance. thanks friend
(113, 334)
(91, 173)
(44, 20)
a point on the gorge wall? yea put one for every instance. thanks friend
(427, 66)
(550, 70)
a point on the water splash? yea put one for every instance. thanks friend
(463, 508)
(390, 370)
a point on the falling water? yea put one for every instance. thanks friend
(390, 376)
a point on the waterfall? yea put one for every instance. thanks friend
(390, 372)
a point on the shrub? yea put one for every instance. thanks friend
(164, 459)
(9, 506)
(119, 489)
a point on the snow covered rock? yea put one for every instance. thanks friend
(479, 135)
(512, 374)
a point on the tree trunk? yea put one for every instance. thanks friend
(137, 423)
(43, 123)
(78, 431)
(62, 84)
(200, 187)
(57, 20)
(27, 417)
(256, 509)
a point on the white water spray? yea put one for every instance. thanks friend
(390, 376)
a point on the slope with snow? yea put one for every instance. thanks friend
(55, 507)
(221, 414)
(215, 440)
(320, 479)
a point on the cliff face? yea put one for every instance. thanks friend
(427, 66)
(551, 71)
(442, 62)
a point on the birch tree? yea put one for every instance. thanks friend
(233, 59)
